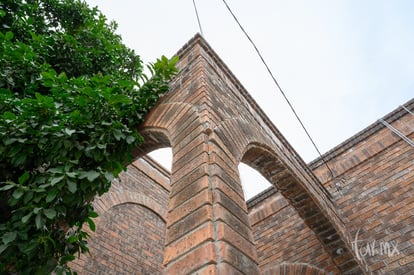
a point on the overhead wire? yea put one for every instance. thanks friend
(279, 87)
(198, 18)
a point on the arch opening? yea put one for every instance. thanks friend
(299, 202)
(163, 156)
(252, 181)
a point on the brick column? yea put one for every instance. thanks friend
(207, 224)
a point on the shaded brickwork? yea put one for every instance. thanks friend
(281, 236)
(130, 234)
(131, 241)
(374, 193)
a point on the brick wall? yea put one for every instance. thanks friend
(375, 175)
(374, 192)
(130, 229)
(129, 240)
(281, 236)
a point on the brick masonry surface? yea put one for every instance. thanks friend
(373, 190)
(195, 220)
(130, 233)
(282, 236)
(375, 179)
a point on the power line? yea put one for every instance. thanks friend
(198, 18)
(278, 86)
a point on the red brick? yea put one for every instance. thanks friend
(201, 256)
(193, 239)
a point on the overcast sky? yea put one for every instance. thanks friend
(342, 63)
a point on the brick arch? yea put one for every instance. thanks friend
(164, 124)
(237, 134)
(102, 206)
(116, 248)
(294, 269)
(267, 162)
(114, 198)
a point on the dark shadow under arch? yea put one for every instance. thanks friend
(154, 138)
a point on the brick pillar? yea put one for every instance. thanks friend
(208, 230)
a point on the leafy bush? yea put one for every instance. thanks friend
(71, 98)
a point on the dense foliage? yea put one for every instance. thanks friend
(71, 98)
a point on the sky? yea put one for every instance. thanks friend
(343, 64)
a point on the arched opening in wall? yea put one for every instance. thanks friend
(252, 181)
(285, 220)
(163, 156)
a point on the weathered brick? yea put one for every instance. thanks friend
(225, 233)
(236, 259)
(193, 203)
(195, 219)
(189, 242)
(201, 256)
(193, 188)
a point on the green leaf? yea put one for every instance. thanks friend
(9, 117)
(130, 139)
(119, 99)
(56, 170)
(118, 134)
(91, 224)
(30, 246)
(8, 141)
(2, 248)
(56, 180)
(27, 217)
(36, 210)
(7, 187)
(50, 213)
(72, 186)
(28, 197)
(23, 178)
(67, 258)
(71, 174)
(18, 193)
(109, 176)
(90, 175)
(69, 132)
(93, 214)
(52, 195)
(72, 239)
(9, 237)
(9, 36)
(39, 221)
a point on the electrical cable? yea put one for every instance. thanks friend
(278, 86)
(198, 18)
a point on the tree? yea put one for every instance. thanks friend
(71, 98)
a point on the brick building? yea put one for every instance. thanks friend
(194, 219)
